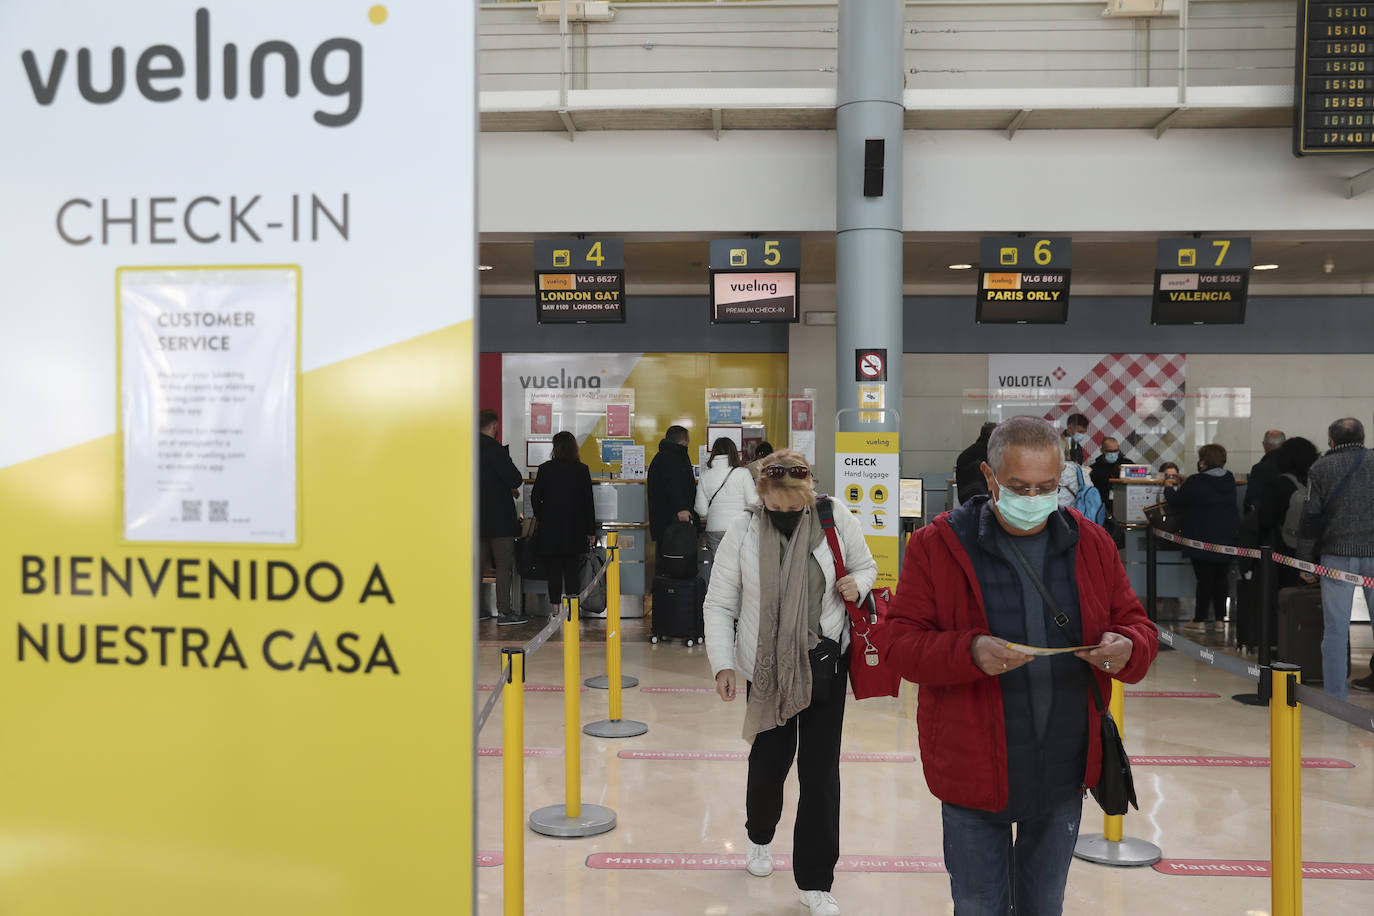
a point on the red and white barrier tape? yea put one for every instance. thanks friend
(1247, 552)
(1315, 569)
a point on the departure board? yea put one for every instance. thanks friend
(1333, 99)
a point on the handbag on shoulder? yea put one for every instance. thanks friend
(1115, 789)
(869, 675)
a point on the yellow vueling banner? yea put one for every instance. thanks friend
(867, 479)
(237, 476)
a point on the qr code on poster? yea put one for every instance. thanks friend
(219, 510)
(190, 510)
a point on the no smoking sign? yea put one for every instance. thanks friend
(872, 366)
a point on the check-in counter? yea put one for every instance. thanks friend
(620, 506)
(1174, 580)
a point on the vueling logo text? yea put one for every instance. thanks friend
(160, 70)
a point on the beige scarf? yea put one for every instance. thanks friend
(782, 668)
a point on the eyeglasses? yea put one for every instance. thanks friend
(778, 471)
(1029, 491)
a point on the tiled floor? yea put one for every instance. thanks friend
(690, 812)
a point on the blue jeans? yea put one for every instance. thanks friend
(989, 873)
(1337, 600)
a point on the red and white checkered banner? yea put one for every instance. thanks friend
(1315, 569)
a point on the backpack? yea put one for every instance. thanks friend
(1292, 519)
(677, 552)
(1088, 501)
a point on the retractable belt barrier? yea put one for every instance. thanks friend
(1281, 687)
(572, 818)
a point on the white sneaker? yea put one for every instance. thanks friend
(820, 903)
(760, 861)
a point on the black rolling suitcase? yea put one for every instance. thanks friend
(1300, 632)
(677, 610)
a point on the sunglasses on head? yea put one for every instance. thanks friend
(778, 471)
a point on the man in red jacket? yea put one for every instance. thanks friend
(1009, 737)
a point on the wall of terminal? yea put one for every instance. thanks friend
(1066, 181)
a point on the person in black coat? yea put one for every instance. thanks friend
(1291, 463)
(1208, 502)
(562, 501)
(1105, 468)
(968, 469)
(498, 481)
(1265, 470)
(672, 483)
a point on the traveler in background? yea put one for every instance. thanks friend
(761, 452)
(968, 469)
(498, 483)
(562, 501)
(1008, 739)
(1208, 502)
(1171, 474)
(1076, 438)
(672, 484)
(773, 609)
(724, 491)
(1340, 502)
(1104, 469)
(1292, 460)
(1265, 470)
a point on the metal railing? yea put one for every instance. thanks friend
(949, 45)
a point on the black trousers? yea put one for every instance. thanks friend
(565, 575)
(816, 835)
(1213, 588)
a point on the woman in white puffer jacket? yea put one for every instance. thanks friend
(776, 622)
(725, 490)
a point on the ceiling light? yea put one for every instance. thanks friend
(1329, 265)
(961, 267)
(484, 267)
(1265, 267)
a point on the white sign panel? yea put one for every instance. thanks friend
(208, 364)
(632, 462)
(870, 489)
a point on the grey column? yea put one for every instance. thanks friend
(868, 240)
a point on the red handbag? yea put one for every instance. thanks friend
(869, 675)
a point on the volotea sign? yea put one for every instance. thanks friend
(236, 354)
(867, 475)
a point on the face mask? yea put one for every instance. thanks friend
(1026, 513)
(1080, 438)
(1111, 456)
(785, 522)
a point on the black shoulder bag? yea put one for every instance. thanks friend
(1115, 787)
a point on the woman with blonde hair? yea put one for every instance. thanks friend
(776, 620)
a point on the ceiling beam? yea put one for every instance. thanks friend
(1017, 120)
(716, 120)
(1360, 183)
(566, 118)
(1168, 122)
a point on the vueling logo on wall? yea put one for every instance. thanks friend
(160, 71)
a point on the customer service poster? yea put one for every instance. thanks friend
(208, 404)
(237, 250)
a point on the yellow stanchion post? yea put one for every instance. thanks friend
(1112, 846)
(513, 767)
(614, 726)
(603, 681)
(572, 818)
(1285, 791)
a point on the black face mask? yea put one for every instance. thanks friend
(785, 522)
